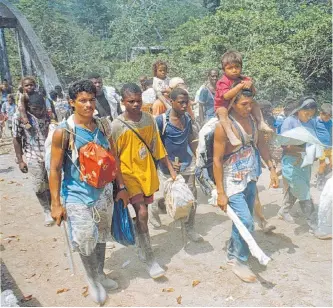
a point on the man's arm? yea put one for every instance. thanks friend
(122, 194)
(57, 156)
(17, 141)
(264, 153)
(193, 143)
(220, 142)
(166, 161)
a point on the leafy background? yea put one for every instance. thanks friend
(286, 44)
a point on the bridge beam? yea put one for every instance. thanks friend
(4, 63)
(25, 59)
(33, 55)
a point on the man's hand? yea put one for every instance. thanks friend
(58, 213)
(247, 84)
(222, 201)
(173, 174)
(23, 167)
(274, 179)
(123, 194)
(176, 166)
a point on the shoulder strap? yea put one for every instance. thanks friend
(238, 129)
(164, 121)
(137, 134)
(254, 130)
(67, 137)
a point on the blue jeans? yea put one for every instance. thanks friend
(242, 204)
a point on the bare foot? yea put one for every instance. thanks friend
(243, 272)
(266, 226)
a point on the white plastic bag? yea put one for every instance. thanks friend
(325, 208)
(248, 238)
(246, 235)
(178, 198)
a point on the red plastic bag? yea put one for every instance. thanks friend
(98, 166)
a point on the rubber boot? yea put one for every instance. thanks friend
(320, 182)
(153, 268)
(139, 250)
(96, 289)
(44, 199)
(153, 214)
(310, 213)
(189, 226)
(102, 278)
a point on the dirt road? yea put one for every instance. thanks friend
(33, 260)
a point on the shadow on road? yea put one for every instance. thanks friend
(6, 170)
(8, 282)
(165, 245)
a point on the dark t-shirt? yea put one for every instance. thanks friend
(102, 106)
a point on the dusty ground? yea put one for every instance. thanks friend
(33, 260)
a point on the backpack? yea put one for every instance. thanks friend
(205, 153)
(97, 166)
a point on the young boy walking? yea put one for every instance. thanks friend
(86, 207)
(138, 146)
(175, 128)
(225, 93)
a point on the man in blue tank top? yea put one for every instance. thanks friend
(87, 209)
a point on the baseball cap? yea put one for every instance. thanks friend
(175, 81)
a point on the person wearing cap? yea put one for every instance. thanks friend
(176, 82)
(296, 178)
(324, 134)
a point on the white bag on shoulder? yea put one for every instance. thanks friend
(178, 198)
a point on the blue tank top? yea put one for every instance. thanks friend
(73, 190)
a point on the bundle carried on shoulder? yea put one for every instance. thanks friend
(204, 163)
(178, 198)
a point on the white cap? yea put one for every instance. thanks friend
(175, 81)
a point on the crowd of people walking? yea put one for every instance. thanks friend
(91, 147)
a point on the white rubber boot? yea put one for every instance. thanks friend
(153, 268)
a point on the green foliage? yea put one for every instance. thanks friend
(286, 44)
(287, 52)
